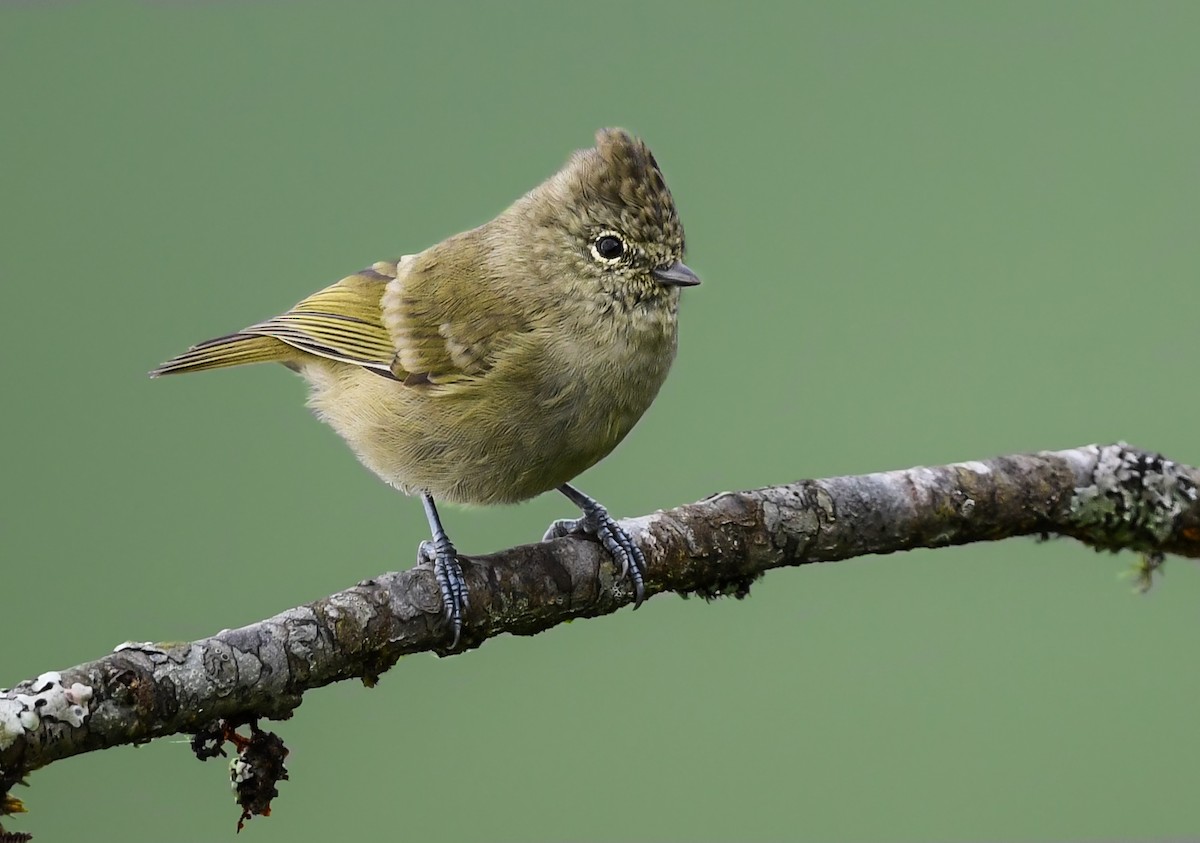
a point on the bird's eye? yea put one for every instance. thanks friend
(608, 247)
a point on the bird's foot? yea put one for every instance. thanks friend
(598, 524)
(449, 574)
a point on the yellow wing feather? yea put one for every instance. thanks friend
(232, 350)
(419, 328)
(341, 322)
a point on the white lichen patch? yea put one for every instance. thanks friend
(924, 478)
(976, 467)
(11, 725)
(239, 771)
(45, 699)
(349, 605)
(142, 646)
(641, 527)
(1134, 495)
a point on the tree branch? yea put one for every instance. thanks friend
(1111, 497)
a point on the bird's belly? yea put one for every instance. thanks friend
(479, 443)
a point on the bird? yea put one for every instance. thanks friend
(501, 362)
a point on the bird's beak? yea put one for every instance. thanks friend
(676, 275)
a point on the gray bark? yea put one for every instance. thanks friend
(1111, 497)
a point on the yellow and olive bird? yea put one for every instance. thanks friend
(501, 362)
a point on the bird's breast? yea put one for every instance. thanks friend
(609, 377)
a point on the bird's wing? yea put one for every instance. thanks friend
(448, 324)
(341, 322)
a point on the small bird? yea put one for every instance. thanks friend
(503, 361)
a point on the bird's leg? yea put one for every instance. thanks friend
(597, 523)
(441, 553)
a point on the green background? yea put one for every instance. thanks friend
(928, 232)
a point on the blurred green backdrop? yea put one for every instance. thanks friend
(928, 232)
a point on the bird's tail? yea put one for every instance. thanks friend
(230, 350)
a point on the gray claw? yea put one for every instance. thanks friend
(598, 524)
(449, 575)
(564, 527)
